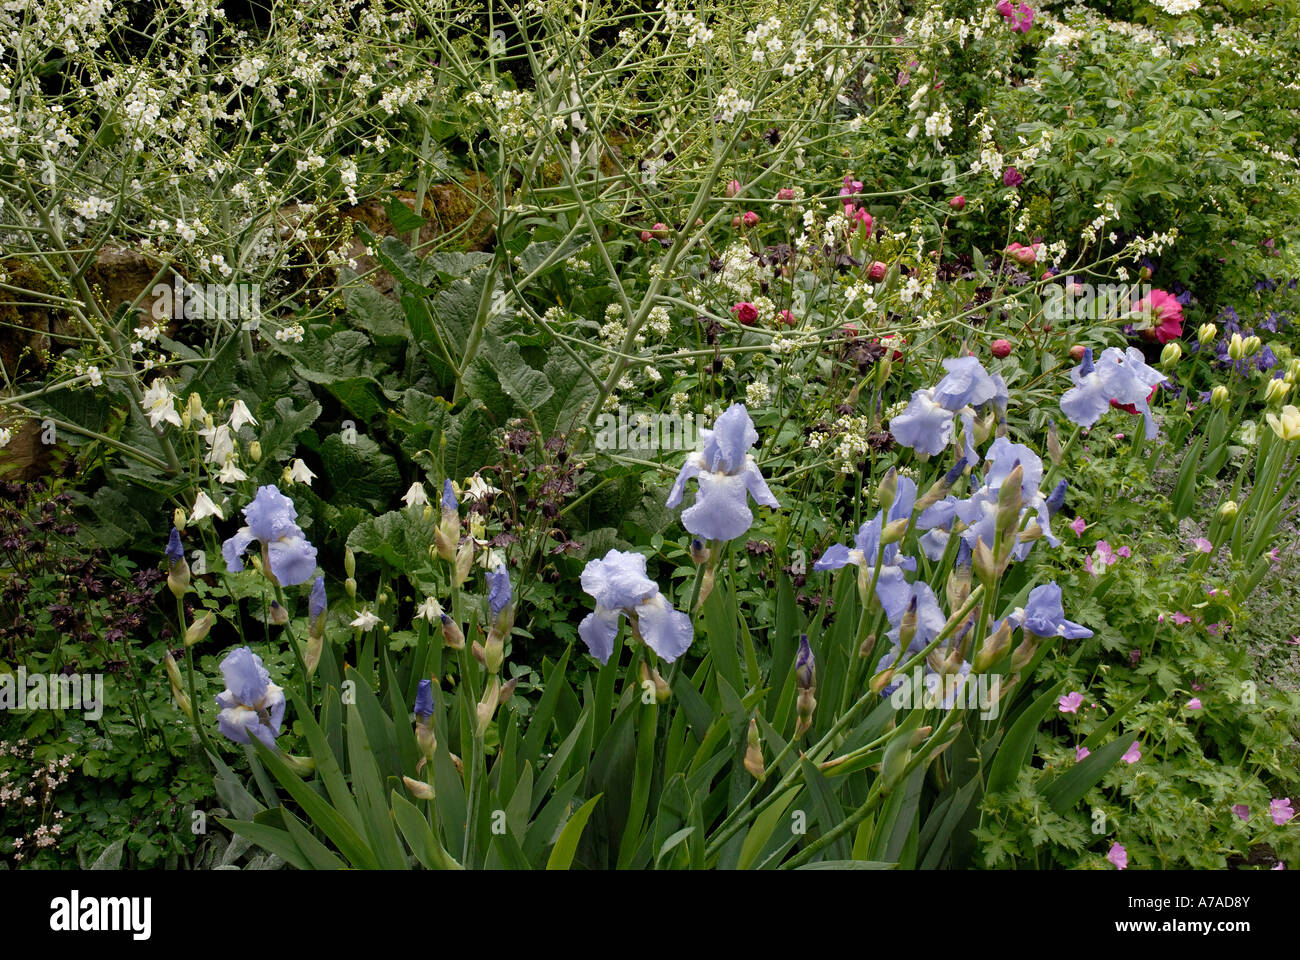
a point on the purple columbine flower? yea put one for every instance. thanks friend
(424, 699)
(620, 586)
(271, 516)
(891, 588)
(498, 589)
(727, 476)
(251, 705)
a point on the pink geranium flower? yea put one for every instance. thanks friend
(1071, 702)
(1181, 618)
(1194, 703)
(1280, 810)
(1201, 544)
(1082, 753)
(1133, 754)
(1241, 810)
(1078, 525)
(1118, 856)
(1101, 559)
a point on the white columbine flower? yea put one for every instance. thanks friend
(430, 610)
(240, 415)
(231, 473)
(366, 620)
(299, 473)
(5, 436)
(204, 507)
(416, 497)
(478, 489)
(159, 404)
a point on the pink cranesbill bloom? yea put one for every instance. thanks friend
(1070, 702)
(1181, 618)
(1082, 753)
(1101, 559)
(1194, 703)
(1118, 856)
(1201, 544)
(1078, 525)
(1280, 810)
(1241, 810)
(1133, 754)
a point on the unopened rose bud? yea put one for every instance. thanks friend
(1077, 351)
(958, 202)
(732, 189)
(876, 272)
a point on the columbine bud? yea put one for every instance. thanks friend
(1170, 355)
(349, 562)
(1228, 510)
(754, 752)
(173, 671)
(1219, 396)
(451, 634)
(1206, 334)
(198, 630)
(350, 585)
(1275, 392)
(254, 451)
(1236, 347)
(178, 519)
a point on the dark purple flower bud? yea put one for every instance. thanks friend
(805, 665)
(424, 699)
(1057, 499)
(174, 552)
(498, 589)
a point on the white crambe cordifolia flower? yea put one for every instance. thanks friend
(160, 405)
(416, 497)
(240, 415)
(204, 507)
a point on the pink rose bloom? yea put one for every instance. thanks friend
(1166, 316)
(1280, 810)
(1024, 254)
(851, 188)
(750, 218)
(1078, 525)
(787, 318)
(877, 271)
(785, 193)
(1082, 753)
(863, 218)
(733, 188)
(1118, 856)
(1004, 7)
(746, 313)
(1241, 810)
(1071, 702)
(1012, 177)
(1133, 754)
(1024, 19)
(958, 202)
(1194, 703)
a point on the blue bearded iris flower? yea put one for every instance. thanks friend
(930, 621)
(271, 516)
(891, 588)
(250, 705)
(967, 384)
(728, 476)
(1044, 616)
(925, 426)
(1119, 376)
(619, 584)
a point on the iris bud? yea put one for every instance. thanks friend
(754, 752)
(994, 647)
(699, 552)
(888, 488)
(279, 615)
(418, 788)
(451, 633)
(1054, 451)
(894, 531)
(198, 630)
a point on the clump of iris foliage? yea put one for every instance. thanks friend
(680, 436)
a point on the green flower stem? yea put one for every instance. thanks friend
(197, 718)
(297, 654)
